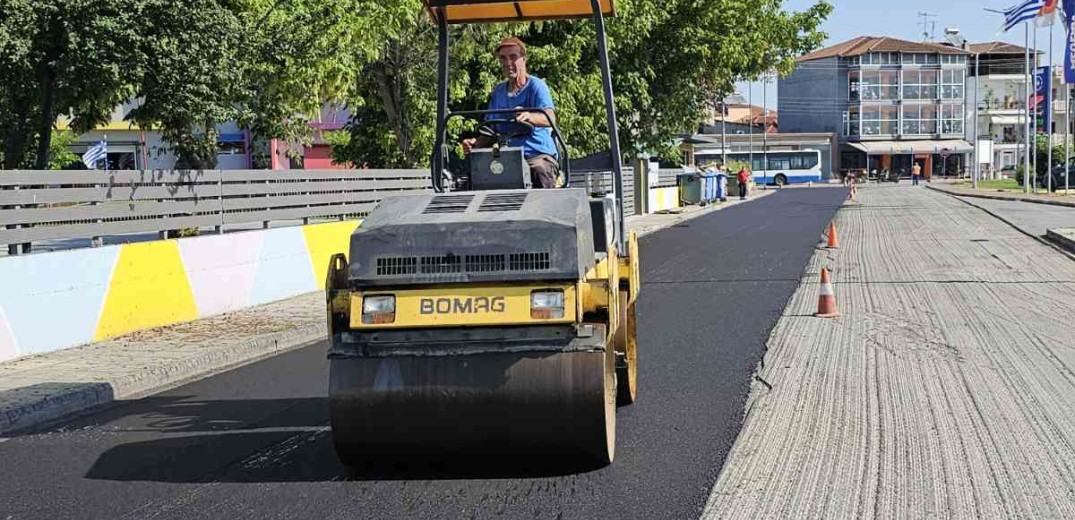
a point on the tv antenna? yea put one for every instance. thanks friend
(929, 27)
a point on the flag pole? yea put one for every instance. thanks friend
(1026, 104)
(1034, 129)
(1048, 122)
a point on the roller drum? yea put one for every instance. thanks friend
(428, 406)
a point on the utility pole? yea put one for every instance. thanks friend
(750, 123)
(977, 172)
(723, 132)
(765, 130)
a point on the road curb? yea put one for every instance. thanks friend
(41, 406)
(1003, 197)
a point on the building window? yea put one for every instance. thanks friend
(951, 84)
(879, 120)
(881, 58)
(851, 120)
(872, 85)
(919, 119)
(951, 119)
(919, 58)
(953, 59)
(920, 84)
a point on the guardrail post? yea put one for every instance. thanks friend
(220, 200)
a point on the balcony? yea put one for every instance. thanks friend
(1002, 104)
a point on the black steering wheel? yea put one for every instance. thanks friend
(515, 129)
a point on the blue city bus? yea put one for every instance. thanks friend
(785, 167)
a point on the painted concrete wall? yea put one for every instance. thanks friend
(661, 199)
(52, 301)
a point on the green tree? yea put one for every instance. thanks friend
(669, 59)
(62, 57)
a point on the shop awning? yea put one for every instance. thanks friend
(1007, 120)
(906, 147)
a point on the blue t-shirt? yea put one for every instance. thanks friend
(535, 94)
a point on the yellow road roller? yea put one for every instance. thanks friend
(486, 316)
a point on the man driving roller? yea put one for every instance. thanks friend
(521, 90)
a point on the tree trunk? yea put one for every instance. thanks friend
(48, 96)
(15, 142)
(390, 90)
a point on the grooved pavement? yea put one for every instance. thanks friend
(945, 389)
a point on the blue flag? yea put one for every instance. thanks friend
(1042, 100)
(1069, 25)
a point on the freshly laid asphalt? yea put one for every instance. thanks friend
(254, 442)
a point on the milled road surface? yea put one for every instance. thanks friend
(945, 390)
(254, 442)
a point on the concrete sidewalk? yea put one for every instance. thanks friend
(945, 389)
(37, 390)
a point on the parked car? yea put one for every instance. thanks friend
(1058, 178)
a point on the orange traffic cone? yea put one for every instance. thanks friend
(834, 243)
(826, 300)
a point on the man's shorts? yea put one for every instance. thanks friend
(544, 171)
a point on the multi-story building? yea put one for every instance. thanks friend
(891, 103)
(1000, 84)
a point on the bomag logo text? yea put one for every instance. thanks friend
(473, 305)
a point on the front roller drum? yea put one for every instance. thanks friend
(535, 403)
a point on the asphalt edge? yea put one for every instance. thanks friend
(93, 396)
(703, 210)
(1060, 240)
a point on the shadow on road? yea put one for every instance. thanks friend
(279, 440)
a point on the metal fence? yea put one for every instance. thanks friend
(38, 206)
(51, 205)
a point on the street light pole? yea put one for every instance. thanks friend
(977, 172)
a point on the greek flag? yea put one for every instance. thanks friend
(1023, 12)
(95, 153)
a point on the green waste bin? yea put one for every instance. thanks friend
(690, 187)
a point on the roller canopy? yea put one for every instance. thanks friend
(470, 11)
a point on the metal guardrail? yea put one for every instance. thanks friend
(38, 206)
(51, 205)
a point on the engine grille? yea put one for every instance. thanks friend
(451, 264)
(448, 204)
(394, 266)
(502, 202)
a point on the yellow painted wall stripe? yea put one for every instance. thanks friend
(325, 240)
(149, 288)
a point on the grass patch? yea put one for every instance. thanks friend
(998, 184)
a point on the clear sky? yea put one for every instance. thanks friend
(900, 19)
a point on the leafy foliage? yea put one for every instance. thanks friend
(670, 60)
(270, 65)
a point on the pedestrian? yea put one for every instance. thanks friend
(916, 172)
(743, 177)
